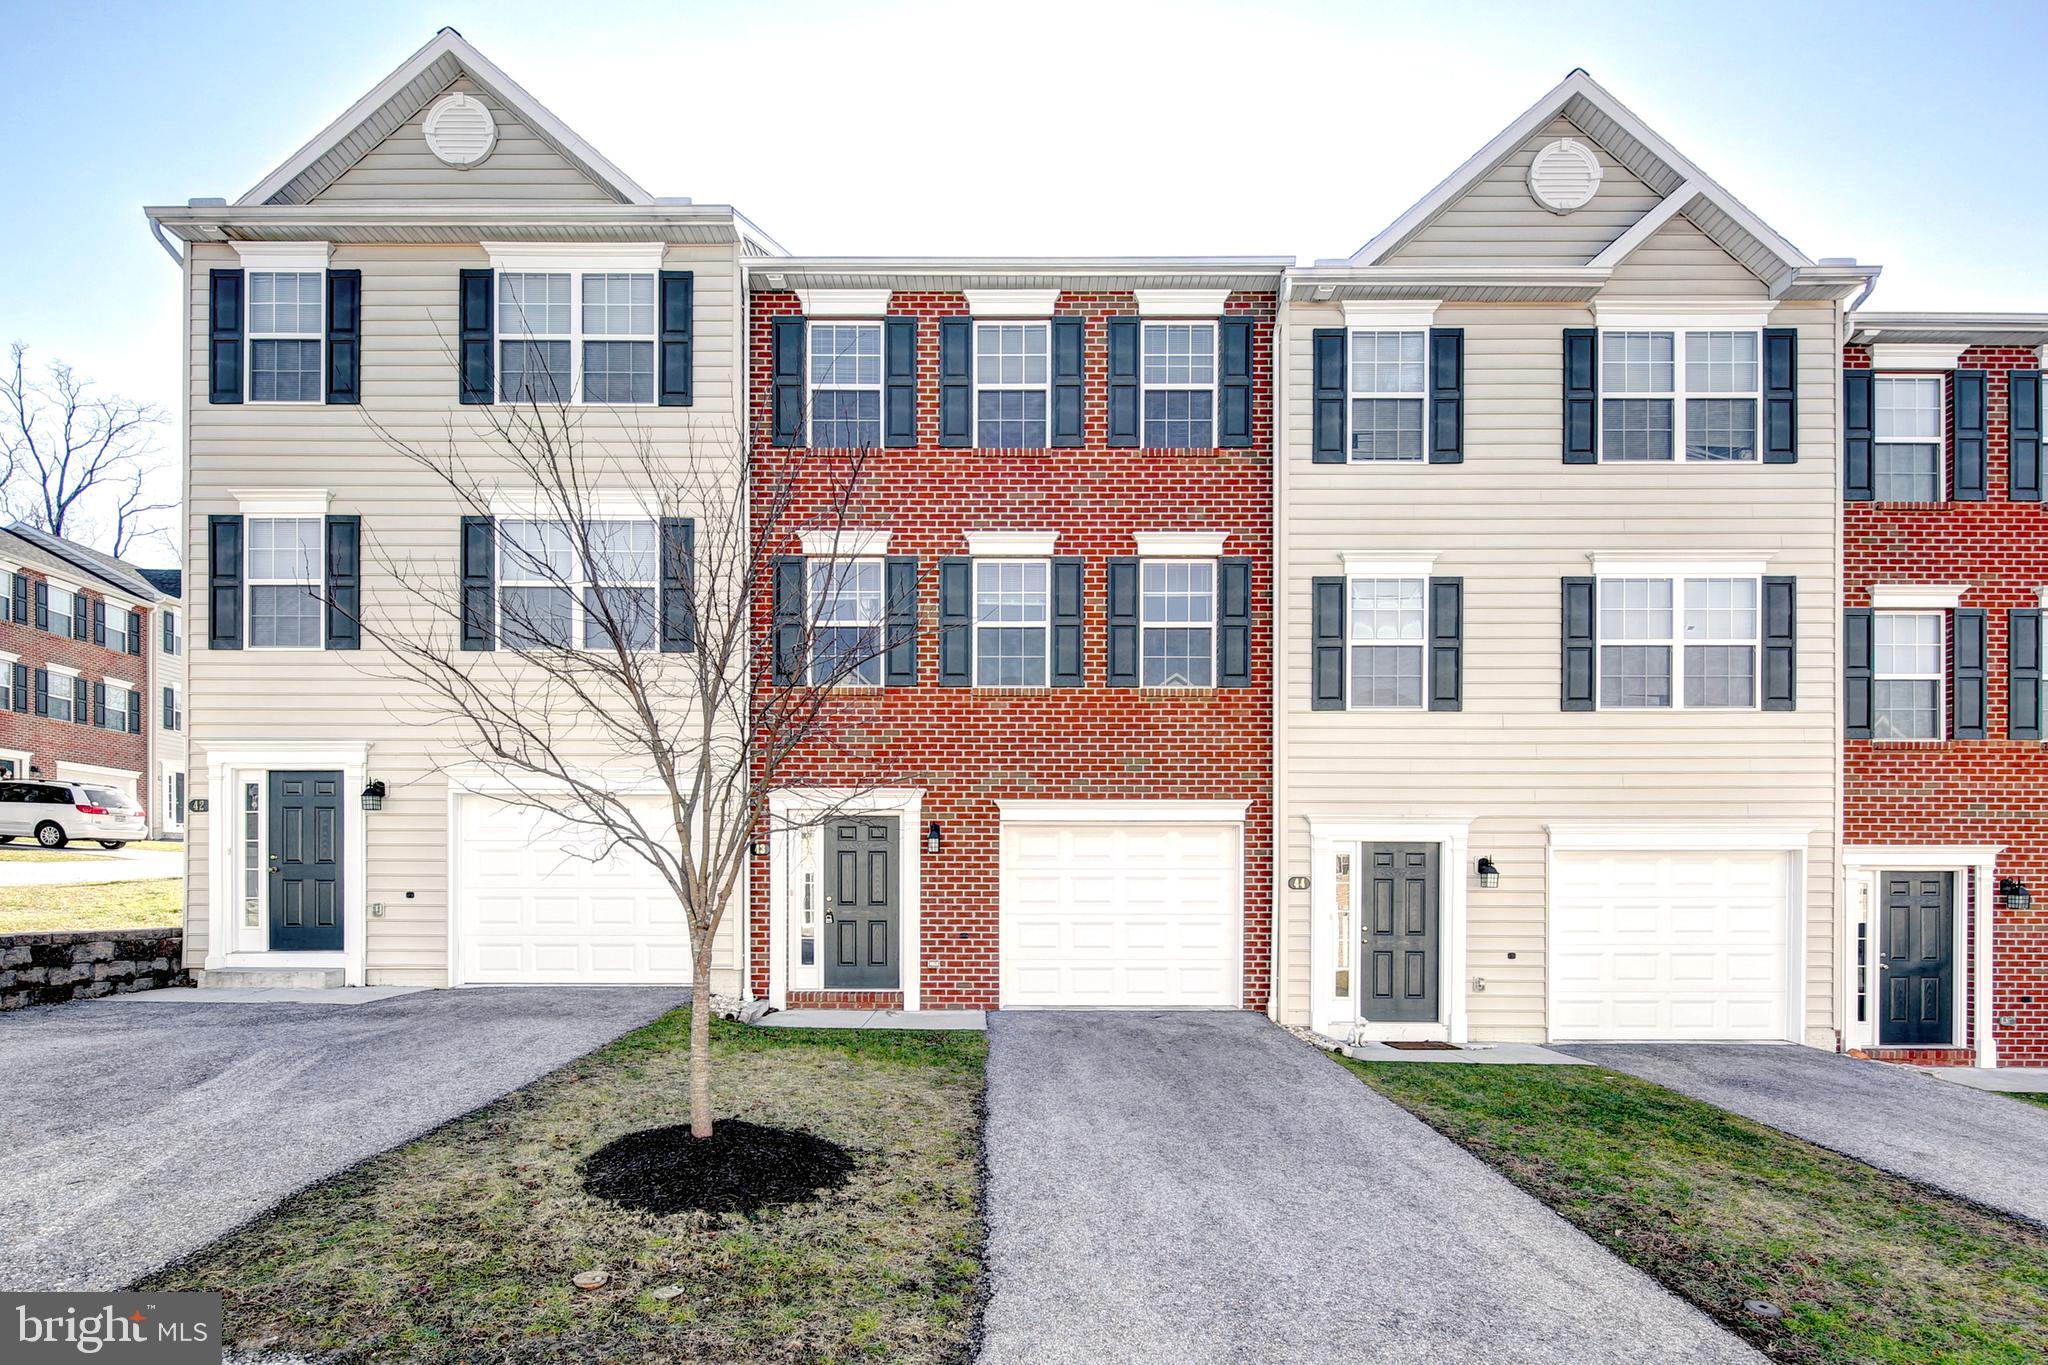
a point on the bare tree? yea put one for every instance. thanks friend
(75, 462)
(617, 637)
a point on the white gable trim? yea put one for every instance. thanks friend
(1647, 226)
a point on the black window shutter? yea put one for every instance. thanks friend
(224, 582)
(170, 631)
(1326, 643)
(1859, 450)
(788, 662)
(135, 633)
(1234, 414)
(1233, 623)
(170, 720)
(899, 376)
(899, 575)
(789, 381)
(678, 585)
(42, 691)
(479, 572)
(344, 336)
(2023, 435)
(2023, 673)
(1326, 359)
(678, 338)
(135, 712)
(1781, 644)
(1581, 403)
(1581, 672)
(18, 696)
(344, 582)
(956, 622)
(81, 701)
(1781, 395)
(42, 604)
(1068, 379)
(1124, 427)
(81, 619)
(1447, 400)
(224, 336)
(99, 621)
(1858, 672)
(1971, 436)
(21, 606)
(956, 383)
(99, 704)
(1122, 585)
(1446, 644)
(475, 380)
(1966, 681)
(1066, 620)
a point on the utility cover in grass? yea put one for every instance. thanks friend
(741, 1167)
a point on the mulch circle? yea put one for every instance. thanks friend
(740, 1168)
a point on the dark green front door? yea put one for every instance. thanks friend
(1400, 928)
(305, 861)
(1918, 960)
(861, 950)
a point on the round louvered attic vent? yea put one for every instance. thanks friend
(1564, 176)
(461, 131)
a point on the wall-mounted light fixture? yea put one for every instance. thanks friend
(931, 837)
(1489, 875)
(2013, 894)
(373, 795)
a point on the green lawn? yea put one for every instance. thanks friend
(2030, 1097)
(460, 1246)
(99, 905)
(1868, 1267)
(28, 852)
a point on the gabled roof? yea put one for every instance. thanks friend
(1685, 188)
(118, 574)
(404, 93)
(169, 582)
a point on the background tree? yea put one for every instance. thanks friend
(75, 462)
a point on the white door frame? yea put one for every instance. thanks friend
(1974, 866)
(1340, 1017)
(20, 759)
(794, 811)
(1661, 836)
(226, 769)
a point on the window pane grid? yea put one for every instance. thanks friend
(1012, 369)
(549, 325)
(846, 385)
(549, 597)
(1179, 368)
(1177, 615)
(285, 324)
(1910, 418)
(1012, 613)
(1910, 656)
(1709, 625)
(1652, 406)
(1386, 621)
(846, 615)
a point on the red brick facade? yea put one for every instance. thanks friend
(1977, 791)
(967, 748)
(49, 742)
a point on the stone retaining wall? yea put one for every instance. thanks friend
(48, 969)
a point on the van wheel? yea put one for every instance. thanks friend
(6, 838)
(50, 834)
(112, 843)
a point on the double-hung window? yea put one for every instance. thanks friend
(618, 332)
(1388, 377)
(553, 595)
(1012, 373)
(7, 662)
(284, 569)
(62, 691)
(1177, 622)
(536, 345)
(569, 336)
(117, 629)
(1704, 628)
(285, 330)
(1180, 386)
(846, 385)
(846, 621)
(1910, 417)
(174, 717)
(120, 705)
(66, 607)
(1667, 392)
(1909, 661)
(1387, 624)
(1012, 621)
(170, 619)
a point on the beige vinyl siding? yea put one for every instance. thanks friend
(1680, 261)
(246, 698)
(520, 167)
(1497, 223)
(1512, 520)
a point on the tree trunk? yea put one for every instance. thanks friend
(700, 1040)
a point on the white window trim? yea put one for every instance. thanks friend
(844, 544)
(1214, 388)
(1025, 305)
(250, 582)
(813, 601)
(1389, 315)
(981, 386)
(974, 594)
(1940, 440)
(1677, 642)
(1916, 597)
(790, 815)
(576, 260)
(1353, 394)
(880, 388)
(1939, 677)
(1006, 544)
(7, 663)
(1180, 544)
(1612, 321)
(1367, 571)
(1190, 305)
(282, 263)
(70, 675)
(850, 305)
(1214, 623)
(1915, 355)
(283, 255)
(576, 584)
(128, 692)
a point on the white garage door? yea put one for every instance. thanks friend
(532, 907)
(1121, 916)
(1670, 946)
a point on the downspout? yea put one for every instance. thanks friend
(156, 230)
(1276, 632)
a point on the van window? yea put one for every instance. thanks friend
(106, 796)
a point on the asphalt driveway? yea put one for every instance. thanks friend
(1982, 1146)
(1204, 1188)
(132, 1133)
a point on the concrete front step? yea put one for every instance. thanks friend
(270, 978)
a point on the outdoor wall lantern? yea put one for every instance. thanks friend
(373, 795)
(2013, 894)
(1489, 875)
(931, 837)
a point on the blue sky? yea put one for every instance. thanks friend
(1893, 133)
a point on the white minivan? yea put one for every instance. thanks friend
(55, 813)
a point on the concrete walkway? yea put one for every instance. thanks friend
(2009, 1080)
(1194, 1188)
(941, 1020)
(105, 865)
(1984, 1147)
(136, 1130)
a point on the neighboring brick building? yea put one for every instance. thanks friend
(76, 634)
(1051, 826)
(1945, 782)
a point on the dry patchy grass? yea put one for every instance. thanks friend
(153, 904)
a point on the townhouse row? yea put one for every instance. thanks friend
(1474, 638)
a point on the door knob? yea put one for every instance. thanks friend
(273, 864)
